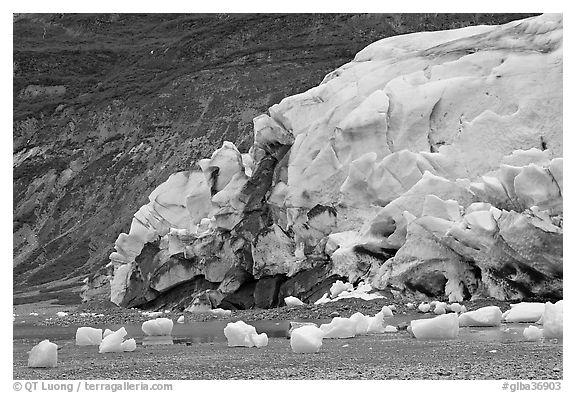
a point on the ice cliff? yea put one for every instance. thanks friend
(430, 165)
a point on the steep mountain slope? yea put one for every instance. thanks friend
(106, 107)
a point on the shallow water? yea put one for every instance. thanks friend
(213, 331)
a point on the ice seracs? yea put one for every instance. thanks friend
(158, 327)
(88, 336)
(484, 316)
(43, 354)
(440, 327)
(306, 339)
(240, 334)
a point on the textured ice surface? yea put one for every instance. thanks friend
(44, 354)
(88, 336)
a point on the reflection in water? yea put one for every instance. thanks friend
(157, 340)
(213, 331)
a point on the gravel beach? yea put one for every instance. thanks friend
(383, 356)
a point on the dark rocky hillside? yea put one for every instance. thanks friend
(107, 106)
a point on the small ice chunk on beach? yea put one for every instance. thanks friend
(88, 336)
(44, 354)
(306, 339)
(61, 314)
(390, 329)
(295, 325)
(240, 334)
(485, 316)
(129, 345)
(180, 319)
(454, 307)
(440, 327)
(292, 301)
(424, 307)
(158, 327)
(113, 342)
(533, 333)
(107, 332)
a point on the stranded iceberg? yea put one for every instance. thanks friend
(431, 164)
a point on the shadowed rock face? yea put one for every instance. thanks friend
(106, 107)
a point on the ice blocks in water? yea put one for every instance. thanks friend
(306, 339)
(339, 328)
(440, 327)
(129, 345)
(524, 312)
(113, 341)
(292, 301)
(240, 334)
(158, 327)
(533, 333)
(552, 319)
(88, 336)
(44, 354)
(485, 316)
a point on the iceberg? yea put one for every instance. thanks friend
(306, 339)
(440, 327)
(361, 322)
(44, 354)
(532, 333)
(485, 316)
(524, 312)
(128, 345)
(240, 334)
(158, 327)
(113, 342)
(88, 336)
(339, 328)
(552, 319)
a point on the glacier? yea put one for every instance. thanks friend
(431, 164)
